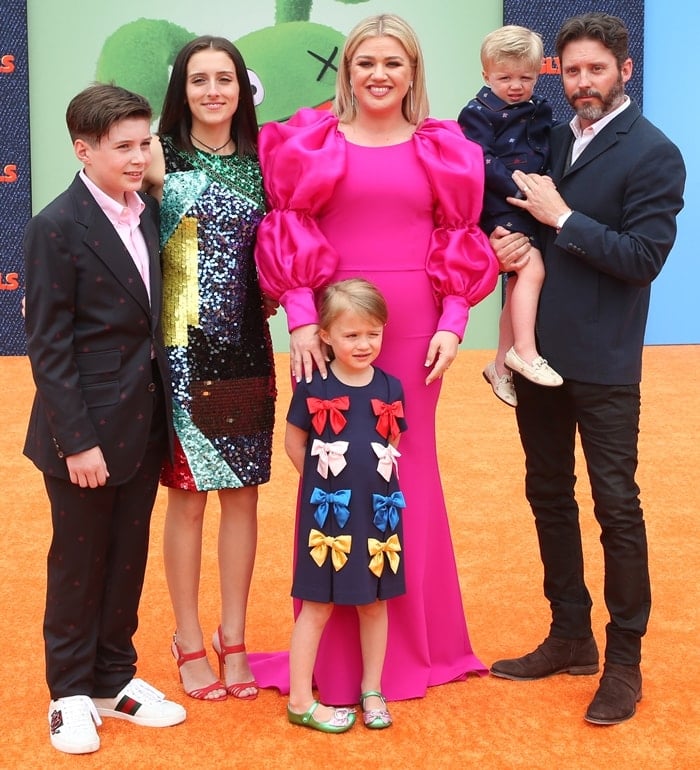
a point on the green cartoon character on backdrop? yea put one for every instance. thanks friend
(291, 64)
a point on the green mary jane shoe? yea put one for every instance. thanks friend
(341, 721)
(375, 719)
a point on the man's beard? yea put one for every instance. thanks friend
(608, 103)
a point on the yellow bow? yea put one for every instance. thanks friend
(376, 548)
(320, 543)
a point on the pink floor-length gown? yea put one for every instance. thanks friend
(380, 223)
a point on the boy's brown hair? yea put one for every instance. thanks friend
(92, 113)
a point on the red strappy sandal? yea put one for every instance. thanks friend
(200, 693)
(222, 651)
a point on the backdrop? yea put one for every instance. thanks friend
(71, 43)
(547, 17)
(15, 172)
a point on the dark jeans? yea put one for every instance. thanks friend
(607, 418)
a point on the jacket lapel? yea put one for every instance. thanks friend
(104, 241)
(600, 144)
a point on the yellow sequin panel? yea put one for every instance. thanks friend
(180, 283)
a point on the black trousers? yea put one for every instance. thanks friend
(607, 419)
(95, 572)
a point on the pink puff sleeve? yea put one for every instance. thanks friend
(460, 263)
(301, 161)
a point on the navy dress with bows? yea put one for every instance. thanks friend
(349, 539)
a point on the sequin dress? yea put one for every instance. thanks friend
(216, 335)
(349, 547)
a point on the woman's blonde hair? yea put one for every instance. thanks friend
(415, 104)
(512, 42)
(356, 294)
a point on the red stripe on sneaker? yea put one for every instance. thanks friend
(128, 705)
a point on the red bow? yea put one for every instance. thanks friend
(321, 408)
(387, 413)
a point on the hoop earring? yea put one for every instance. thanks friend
(410, 97)
(352, 96)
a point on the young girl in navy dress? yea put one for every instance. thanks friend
(342, 434)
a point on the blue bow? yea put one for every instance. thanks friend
(339, 500)
(385, 509)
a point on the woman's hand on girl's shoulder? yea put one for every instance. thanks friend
(305, 352)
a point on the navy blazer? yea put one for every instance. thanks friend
(91, 330)
(625, 190)
(513, 137)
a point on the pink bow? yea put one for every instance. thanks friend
(387, 425)
(330, 456)
(321, 408)
(387, 455)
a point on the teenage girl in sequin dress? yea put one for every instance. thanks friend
(206, 173)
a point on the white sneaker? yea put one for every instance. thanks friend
(141, 704)
(502, 385)
(72, 723)
(539, 371)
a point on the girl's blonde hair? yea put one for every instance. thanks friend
(354, 294)
(415, 104)
(512, 42)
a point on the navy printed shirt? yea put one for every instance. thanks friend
(513, 136)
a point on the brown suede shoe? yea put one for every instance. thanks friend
(553, 656)
(619, 692)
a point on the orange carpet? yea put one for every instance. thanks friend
(486, 723)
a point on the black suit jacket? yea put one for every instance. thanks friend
(91, 330)
(625, 189)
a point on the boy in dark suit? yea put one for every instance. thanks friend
(100, 423)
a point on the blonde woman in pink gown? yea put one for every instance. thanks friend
(377, 189)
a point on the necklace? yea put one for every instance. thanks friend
(211, 149)
(236, 172)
